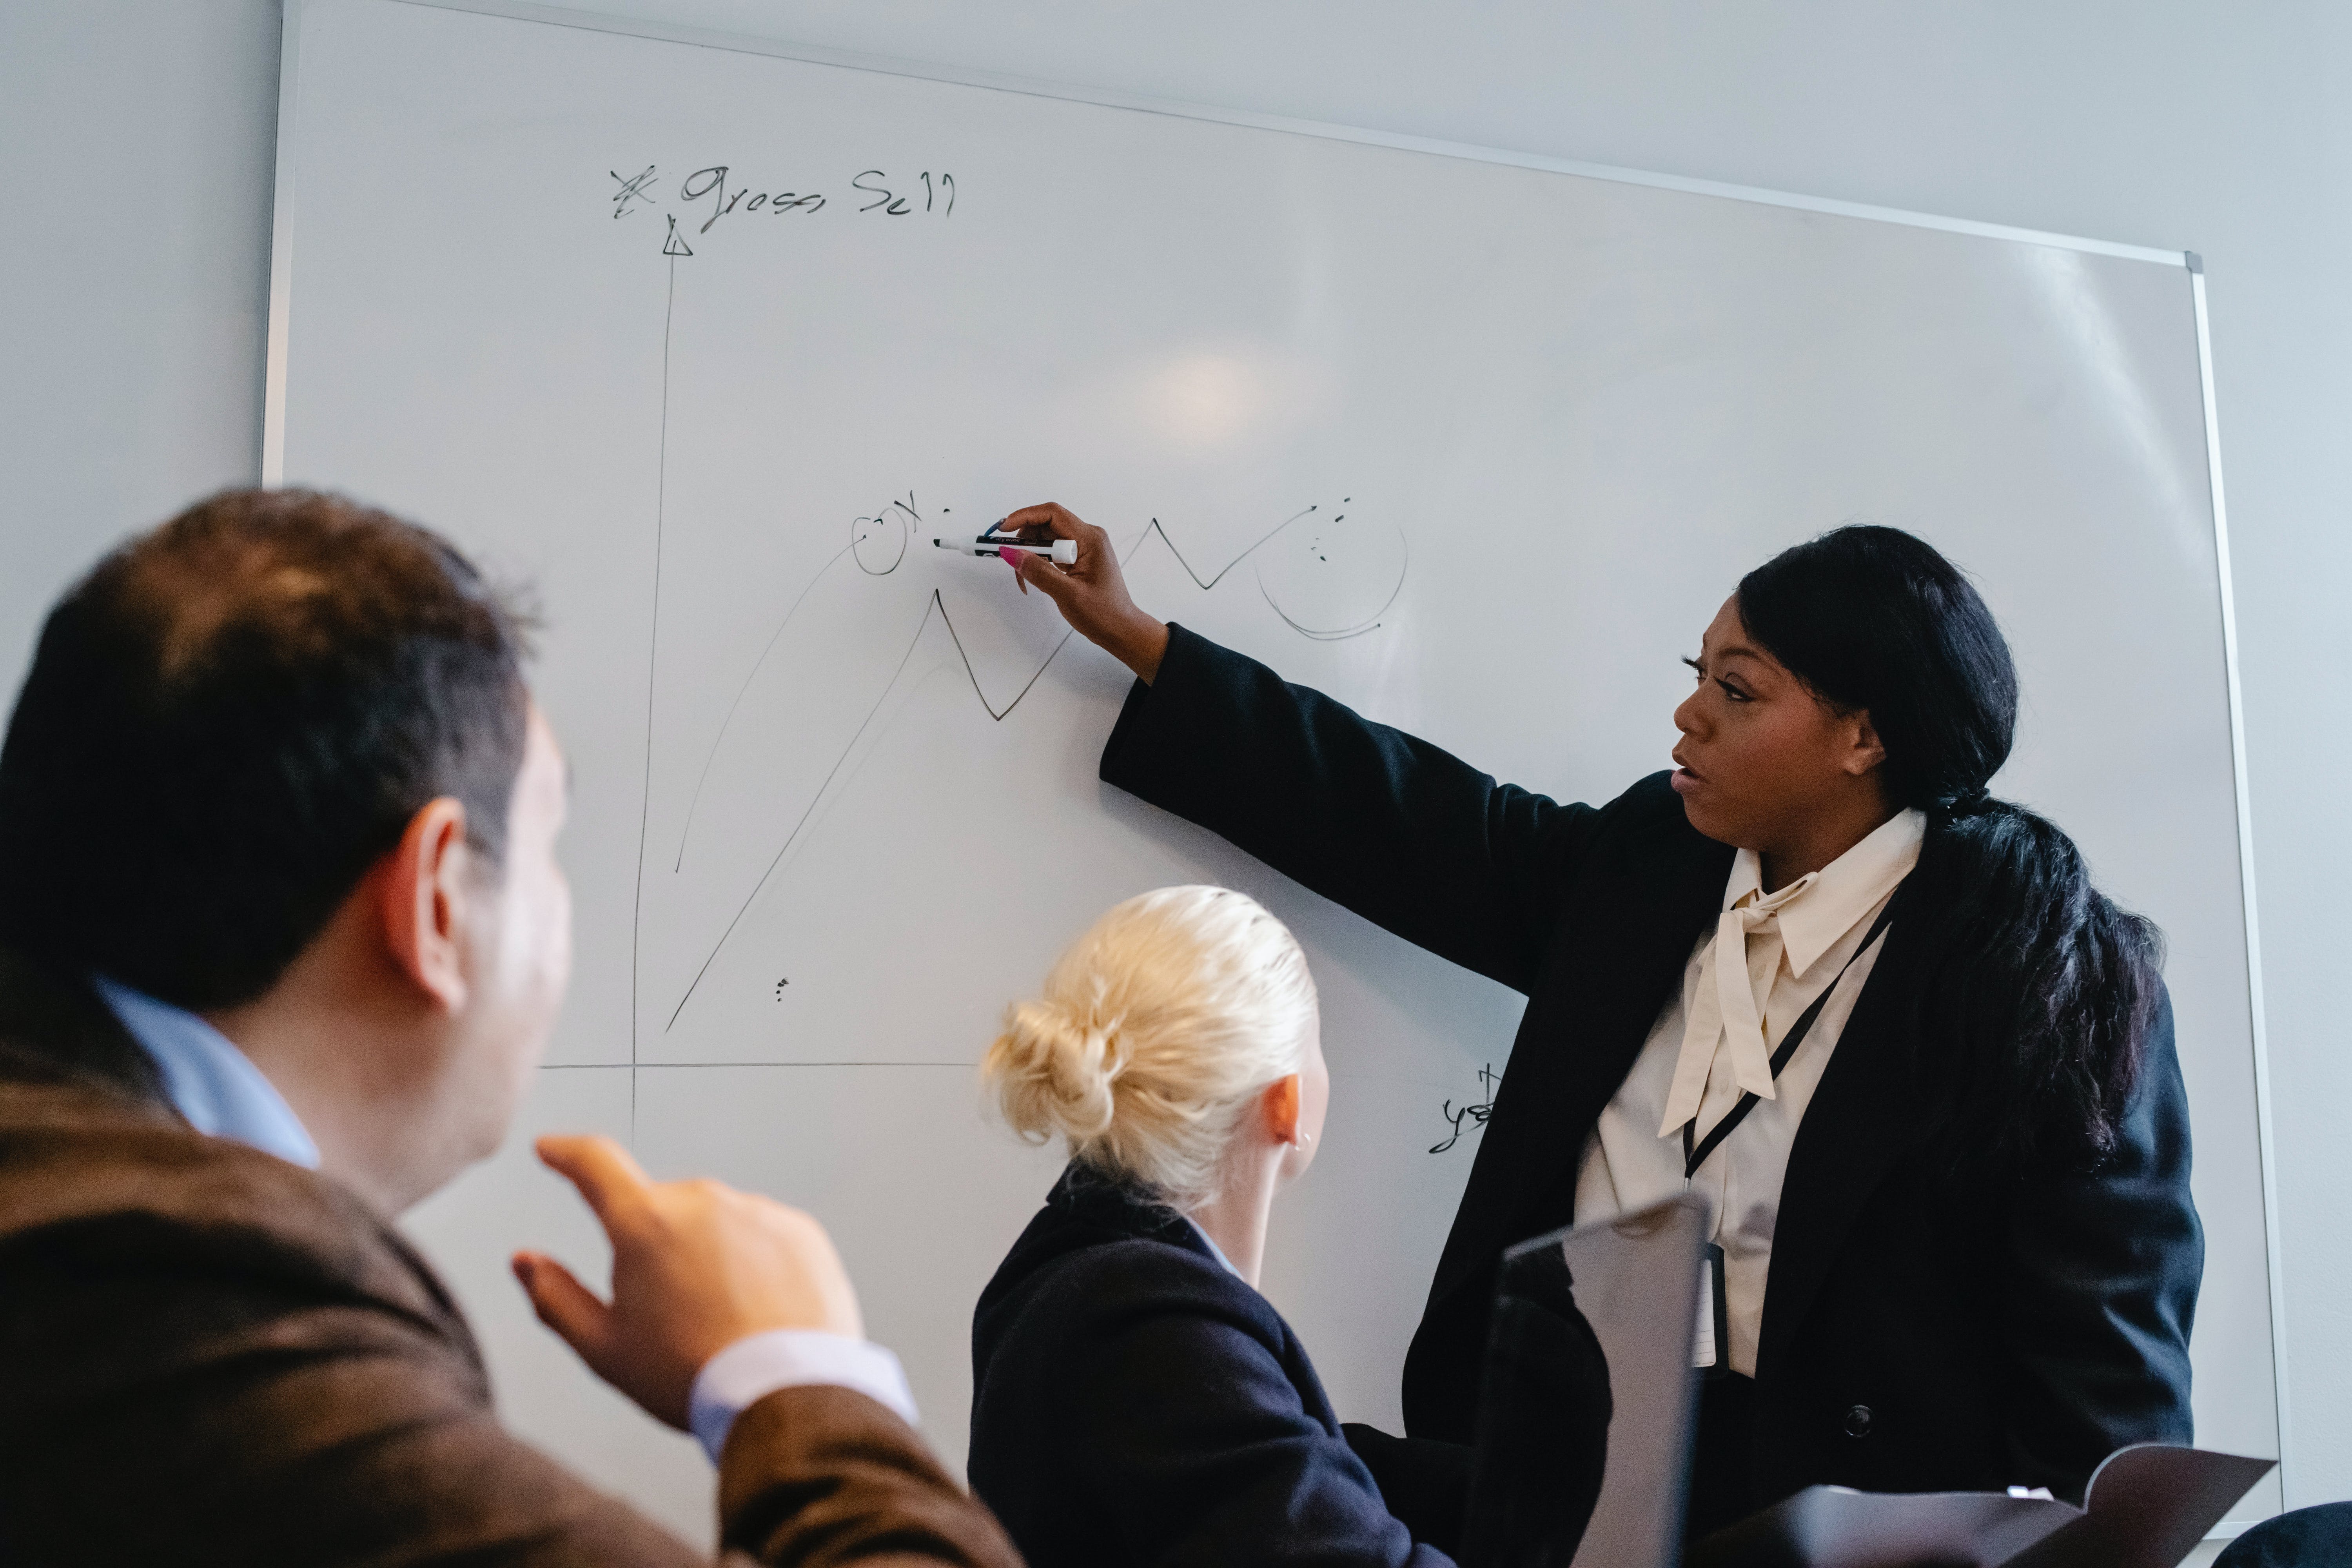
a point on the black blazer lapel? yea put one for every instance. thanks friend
(1618, 950)
(1625, 932)
(1863, 1117)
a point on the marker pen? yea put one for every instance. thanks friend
(1061, 551)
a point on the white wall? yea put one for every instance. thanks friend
(136, 137)
(136, 154)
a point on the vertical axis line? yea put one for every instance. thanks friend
(653, 673)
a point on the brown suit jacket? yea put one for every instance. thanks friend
(209, 1356)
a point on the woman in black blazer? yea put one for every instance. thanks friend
(1135, 1400)
(1985, 1259)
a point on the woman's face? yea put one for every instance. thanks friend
(1314, 1099)
(1760, 756)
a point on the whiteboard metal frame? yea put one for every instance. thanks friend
(282, 268)
(564, 16)
(2262, 1122)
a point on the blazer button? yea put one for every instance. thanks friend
(1857, 1421)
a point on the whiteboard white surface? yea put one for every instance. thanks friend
(1543, 421)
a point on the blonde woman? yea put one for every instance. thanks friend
(1135, 1399)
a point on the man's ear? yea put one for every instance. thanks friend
(424, 892)
(1282, 1102)
(1866, 750)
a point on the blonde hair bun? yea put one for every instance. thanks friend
(1154, 1031)
(1055, 1068)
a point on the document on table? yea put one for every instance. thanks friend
(2147, 1507)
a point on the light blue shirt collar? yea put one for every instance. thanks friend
(1215, 1250)
(211, 1083)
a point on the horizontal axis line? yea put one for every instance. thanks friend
(648, 1067)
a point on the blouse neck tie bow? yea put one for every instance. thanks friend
(1725, 1008)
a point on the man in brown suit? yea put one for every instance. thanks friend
(282, 934)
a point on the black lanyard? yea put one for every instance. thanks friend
(1693, 1157)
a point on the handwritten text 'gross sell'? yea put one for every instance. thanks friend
(713, 193)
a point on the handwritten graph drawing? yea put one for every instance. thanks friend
(1327, 572)
(879, 544)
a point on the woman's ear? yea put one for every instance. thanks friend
(1281, 1103)
(1864, 750)
(425, 893)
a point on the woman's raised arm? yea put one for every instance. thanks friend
(1392, 827)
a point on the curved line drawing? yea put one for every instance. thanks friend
(938, 605)
(855, 539)
(1342, 634)
(704, 777)
(888, 514)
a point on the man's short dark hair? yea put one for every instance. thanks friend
(229, 721)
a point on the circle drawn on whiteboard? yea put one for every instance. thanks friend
(879, 542)
(1333, 577)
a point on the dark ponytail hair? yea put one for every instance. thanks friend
(2043, 990)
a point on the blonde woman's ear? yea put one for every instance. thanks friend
(1283, 1104)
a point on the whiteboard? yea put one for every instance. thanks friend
(705, 342)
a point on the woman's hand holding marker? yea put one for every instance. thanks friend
(1091, 595)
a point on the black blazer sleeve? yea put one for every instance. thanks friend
(2098, 1292)
(1410, 838)
(1183, 1425)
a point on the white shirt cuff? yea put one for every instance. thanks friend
(757, 1366)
